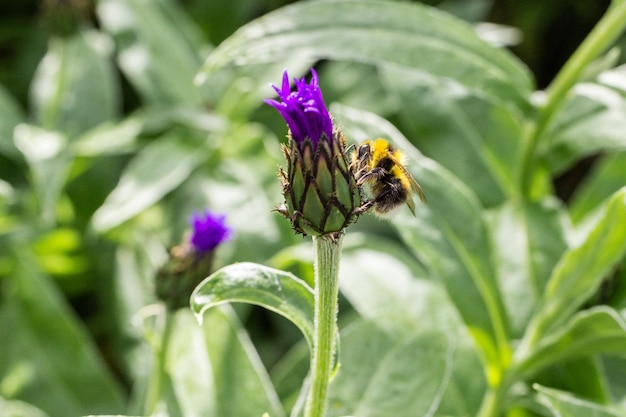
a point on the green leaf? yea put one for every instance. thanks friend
(564, 404)
(450, 237)
(112, 138)
(581, 270)
(528, 240)
(607, 176)
(386, 286)
(215, 370)
(614, 369)
(275, 290)
(50, 362)
(476, 137)
(381, 33)
(19, 409)
(591, 122)
(590, 332)
(158, 48)
(385, 375)
(49, 160)
(158, 169)
(10, 116)
(75, 87)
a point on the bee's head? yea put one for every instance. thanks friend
(364, 152)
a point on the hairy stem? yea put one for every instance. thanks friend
(327, 255)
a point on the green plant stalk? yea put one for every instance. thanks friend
(493, 401)
(604, 34)
(326, 265)
(159, 373)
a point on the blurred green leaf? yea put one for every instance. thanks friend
(387, 33)
(121, 137)
(49, 160)
(19, 409)
(276, 290)
(449, 236)
(599, 330)
(614, 370)
(475, 137)
(384, 283)
(592, 121)
(10, 116)
(50, 361)
(387, 286)
(158, 48)
(75, 87)
(606, 177)
(581, 270)
(109, 138)
(215, 369)
(528, 240)
(384, 375)
(158, 169)
(563, 404)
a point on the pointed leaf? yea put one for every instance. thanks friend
(215, 369)
(10, 116)
(591, 122)
(377, 32)
(385, 375)
(158, 169)
(246, 282)
(449, 236)
(19, 409)
(158, 48)
(50, 361)
(564, 404)
(75, 87)
(600, 330)
(528, 241)
(49, 160)
(476, 137)
(386, 285)
(606, 177)
(581, 269)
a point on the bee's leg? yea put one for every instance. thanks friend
(363, 208)
(374, 173)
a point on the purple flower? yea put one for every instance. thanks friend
(208, 231)
(321, 195)
(303, 110)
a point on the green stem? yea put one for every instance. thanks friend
(492, 405)
(327, 255)
(601, 37)
(159, 373)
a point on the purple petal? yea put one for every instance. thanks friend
(208, 231)
(304, 110)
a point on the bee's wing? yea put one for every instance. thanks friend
(414, 184)
(411, 204)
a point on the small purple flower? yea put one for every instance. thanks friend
(303, 110)
(208, 231)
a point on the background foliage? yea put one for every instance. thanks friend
(119, 118)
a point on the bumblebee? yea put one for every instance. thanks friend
(380, 165)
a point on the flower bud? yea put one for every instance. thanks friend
(191, 261)
(321, 195)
